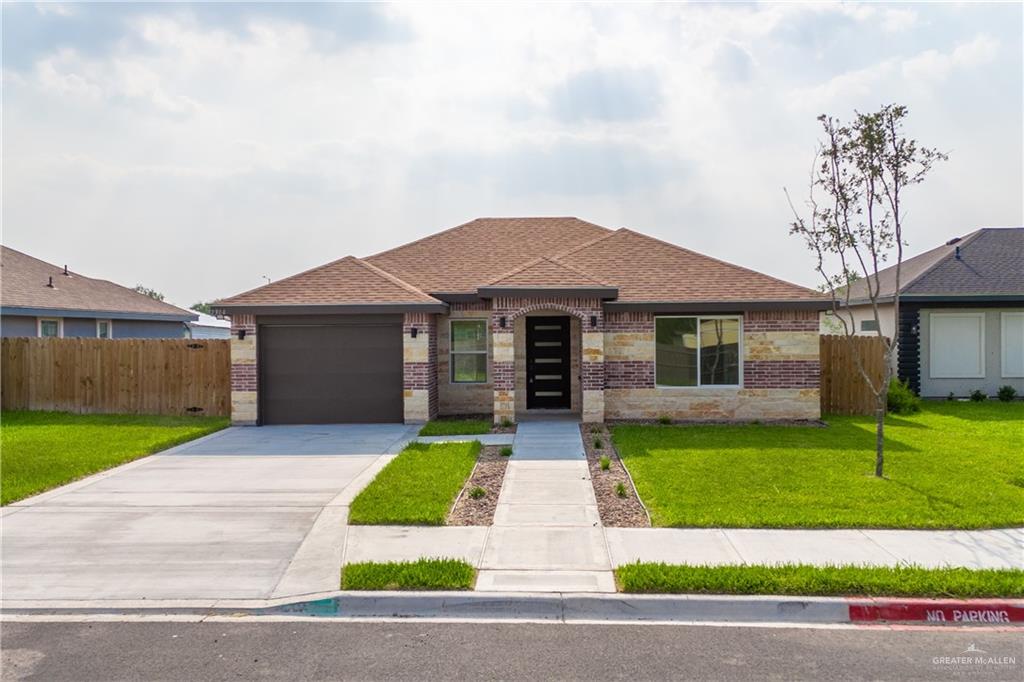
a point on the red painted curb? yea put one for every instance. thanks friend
(938, 611)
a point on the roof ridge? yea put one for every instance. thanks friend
(540, 259)
(392, 278)
(289, 277)
(422, 239)
(966, 239)
(590, 242)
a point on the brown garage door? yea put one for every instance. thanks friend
(330, 370)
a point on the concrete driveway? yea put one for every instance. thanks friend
(247, 513)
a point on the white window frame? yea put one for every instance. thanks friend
(60, 327)
(738, 318)
(1002, 344)
(931, 341)
(452, 352)
(110, 328)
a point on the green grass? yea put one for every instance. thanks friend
(42, 450)
(455, 427)
(953, 465)
(423, 574)
(872, 581)
(417, 487)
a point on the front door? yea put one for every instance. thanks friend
(548, 368)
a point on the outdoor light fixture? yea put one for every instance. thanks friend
(413, 332)
(593, 320)
(241, 334)
(501, 322)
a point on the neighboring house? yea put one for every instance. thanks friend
(41, 299)
(513, 316)
(209, 327)
(961, 316)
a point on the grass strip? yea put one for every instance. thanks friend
(418, 487)
(43, 450)
(422, 574)
(455, 427)
(802, 579)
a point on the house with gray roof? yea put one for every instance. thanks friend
(41, 299)
(961, 314)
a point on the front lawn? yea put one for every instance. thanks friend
(868, 581)
(456, 427)
(418, 487)
(422, 574)
(954, 465)
(42, 450)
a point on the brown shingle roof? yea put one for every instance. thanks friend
(24, 279)
(650, 270)
(348, 281)
(464, 257)
(544, 272)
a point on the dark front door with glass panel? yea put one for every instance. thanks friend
(547, 363)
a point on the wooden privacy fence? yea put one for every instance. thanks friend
(132, 376)
(843, 389)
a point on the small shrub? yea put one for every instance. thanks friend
(506, 423)
(620, 489)
(756, 422)
(1006, 393)
(598, 443)
(951, 397)
(476, 492)
(506, 451)
(978, 396)
(664, 420)
(901, 400)
(606, 464)
(595, 429)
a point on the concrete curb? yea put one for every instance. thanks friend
(568, 608)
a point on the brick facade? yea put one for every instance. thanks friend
(244, 382)
(419, 367)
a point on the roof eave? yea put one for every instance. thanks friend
(328, 308)
(715, 306)
(604, 293)
(35, 311)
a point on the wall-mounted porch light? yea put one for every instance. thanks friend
(241, 333)
(413, 332)
(593, 320)
(502, 321)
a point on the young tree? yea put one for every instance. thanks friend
(152, 293)
(201, 308)
(854, 220)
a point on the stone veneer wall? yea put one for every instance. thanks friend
(503, 363)
(419, 365)
(453, 398)
(780, 371)
(243, 371)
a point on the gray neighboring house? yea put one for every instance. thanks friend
(41, 299)
(961, 316)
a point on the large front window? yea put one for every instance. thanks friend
(697, 351)
(469, 351)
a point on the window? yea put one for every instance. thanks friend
(697, 351)
(468, 351)
(956, 343)
(1013, 344)
(51, 328)
(869, 325)
(104, 329)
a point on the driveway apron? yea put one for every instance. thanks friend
(222, 518)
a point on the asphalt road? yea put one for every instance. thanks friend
(423, 651)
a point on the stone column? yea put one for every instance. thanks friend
(592, 372)
(419, 368)
(243, 371)
(503, 368)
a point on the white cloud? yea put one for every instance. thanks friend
(932, 65)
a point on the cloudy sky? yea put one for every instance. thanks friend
(197, 148)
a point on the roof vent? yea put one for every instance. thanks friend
(954, 240)
(50, 283)
(66, 273)
(957, 256)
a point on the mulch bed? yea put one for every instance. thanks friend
(488, 474)
(615, 511)
(818, 423)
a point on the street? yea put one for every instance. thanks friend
(305, 650)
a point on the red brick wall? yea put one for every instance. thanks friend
(422, 375)
(243, 376)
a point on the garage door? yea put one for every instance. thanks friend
(330, 370)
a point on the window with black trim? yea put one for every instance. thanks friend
(697, 351)
(468, 356)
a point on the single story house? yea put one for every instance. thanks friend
(961, 314)
(208, 327)
(41, 299)
(515, 316)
